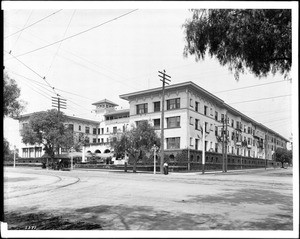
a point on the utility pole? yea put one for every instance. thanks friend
(226, 142)
(164, 80)
(266, 149)
(203, 148)
(59, 103)
(223, 150)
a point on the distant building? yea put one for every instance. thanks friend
(77, 125)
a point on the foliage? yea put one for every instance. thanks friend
(80, 139)
(283, 156)
(259, 40)
(6, 150)
(136, 142)
(47, 128)
(12, 107)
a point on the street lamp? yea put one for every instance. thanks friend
(154, 157)
(14, 156)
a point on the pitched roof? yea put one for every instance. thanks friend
(105, 101)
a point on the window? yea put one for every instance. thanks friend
(211, 111)
(173, 104)
(196, 143)
(87, 130)
(216, 115)
(197, 106)
(232, 135)
(102, 140)
(94, 140)
(157, 106)
(191, 120)
(191, 103)
(156, 123)
(173, 143)
(173, 122)
(79, 127)
(87, 139)
(142, 109)
(107, 129)
(216, 147)
(249, 130)
(102, 130)
(98, 140)
(216, 131)
(94, 131)
(222, 117)
(206, 127)
(197, 124)
(211, 127)
(115, 129)
(205, 110)
(237, 125)
(191, 141)
(99, 131)
(232, 123)
(205, 147)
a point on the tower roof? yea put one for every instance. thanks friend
(105, 101)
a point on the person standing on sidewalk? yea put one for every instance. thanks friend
(166, 168)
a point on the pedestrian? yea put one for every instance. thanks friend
(165, 168)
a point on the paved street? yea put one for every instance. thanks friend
(244, 200)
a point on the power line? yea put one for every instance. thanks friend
(22, 30)
(32, 24)
(79, 33)
(37, 82)
(61, 42)
(87, 67)
(44, 78)
(260, 99)
(248, 87)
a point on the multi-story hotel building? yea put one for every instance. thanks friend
(189, 110)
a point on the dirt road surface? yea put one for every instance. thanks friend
(243, 200)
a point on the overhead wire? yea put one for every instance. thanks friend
(267, 98)
(44, 78)
(77, 34)
(33, 24)
(61, 42)
(37, 82)
(14, 45)
(92, 69)
(246, 87)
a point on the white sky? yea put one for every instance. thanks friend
(124, 56)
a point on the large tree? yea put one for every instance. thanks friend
(259, 40)
(136, 142)
(47, 128)
(283, 156)
(12, 106)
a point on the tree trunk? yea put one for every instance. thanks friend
(134, 166)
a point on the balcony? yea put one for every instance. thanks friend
(249, 146)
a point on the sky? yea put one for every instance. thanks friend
(120, 50)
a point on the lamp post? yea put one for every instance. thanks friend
(14, 156)
(154, 158)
